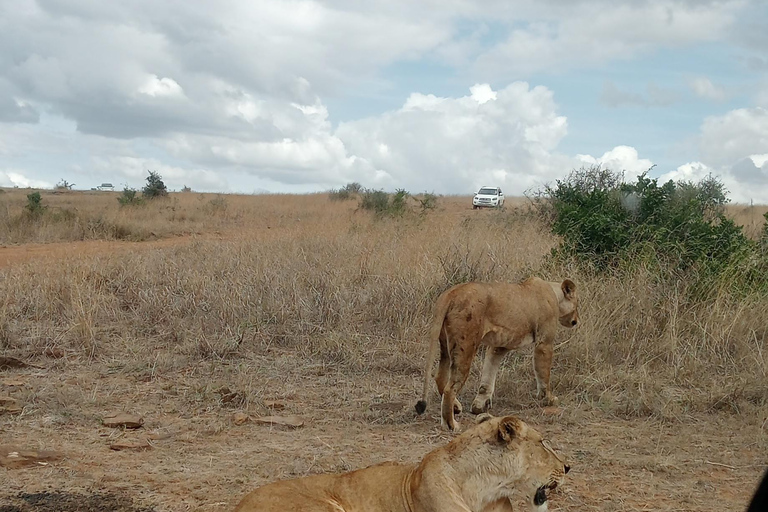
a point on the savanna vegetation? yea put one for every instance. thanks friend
(322, 301)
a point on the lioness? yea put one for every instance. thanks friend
(479, 470)
(503, 317)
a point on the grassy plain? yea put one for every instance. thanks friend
(190, 309)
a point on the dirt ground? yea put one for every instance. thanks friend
(198, 459)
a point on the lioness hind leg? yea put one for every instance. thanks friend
(493, 358)
(461, 361)
(444, 372)
(542, 366)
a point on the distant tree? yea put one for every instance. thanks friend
(64, 185)
(155, 186)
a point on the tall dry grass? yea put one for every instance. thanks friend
(336, 287)
(74, 215)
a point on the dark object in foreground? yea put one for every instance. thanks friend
(59, 501)
(760, 499)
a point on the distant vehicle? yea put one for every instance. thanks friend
(488, 197)
(106, 186)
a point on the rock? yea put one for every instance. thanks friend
(123, 419)
(239, 418)
(159, 436)
(13, 457)
(9, 405)
(274, 404)
(125, 444)
(285, 421)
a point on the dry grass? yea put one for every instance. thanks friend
(750, 216)
(311, 302)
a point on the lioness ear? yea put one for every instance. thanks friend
(482, 418)
(569, 288)
(509, 428)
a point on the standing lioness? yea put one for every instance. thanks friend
(479, 470)
(503, 317)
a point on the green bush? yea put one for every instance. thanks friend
(676, 227)
(348, 191)
(34, 204)
(376, 201)
(154, 187)
(427, 202)
(341, 194)
(129, 197)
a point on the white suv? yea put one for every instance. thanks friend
(491, 197)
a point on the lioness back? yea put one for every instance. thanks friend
(376, 488)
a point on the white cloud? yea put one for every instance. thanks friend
(456, 144)
(17, 178)
(584, 34)
(734, 136)
(704, 88)
(154, 86)
(620, 158)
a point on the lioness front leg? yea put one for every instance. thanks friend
(493, 358)
(542, 366)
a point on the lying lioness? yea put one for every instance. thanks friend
(478, 471)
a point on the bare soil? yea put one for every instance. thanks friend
(200, 460)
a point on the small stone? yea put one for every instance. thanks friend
(159, 436)
(285, 421)
(239, 418)
(13, 457)
(123, 419)
(125, 444)
(552, 411)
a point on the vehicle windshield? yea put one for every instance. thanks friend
(488, 192)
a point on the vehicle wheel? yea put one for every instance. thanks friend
(474, 207)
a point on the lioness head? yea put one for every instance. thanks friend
(526, 455)
(568, 304)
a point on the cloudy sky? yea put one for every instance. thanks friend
(444, 96)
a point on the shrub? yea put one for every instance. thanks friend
(217, 205)
(155, 186)
(34, 204)
(129, 197)
(376, 201)
(186, 189)
(339, 195)
(427, 202)
(674, 227)
(399, 203)
(348, 191)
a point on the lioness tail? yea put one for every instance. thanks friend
(441, 308)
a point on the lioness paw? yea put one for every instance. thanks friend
(480, 406)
